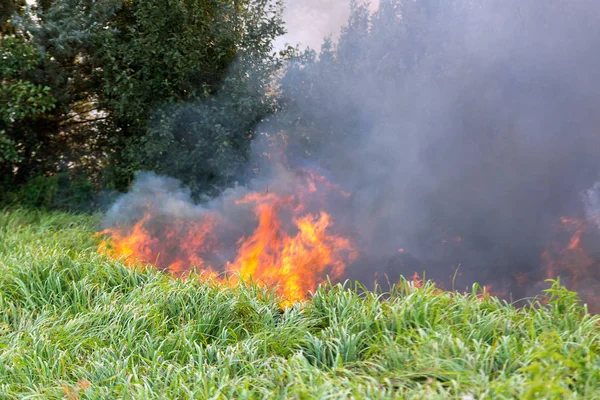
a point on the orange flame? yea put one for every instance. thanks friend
(417, 281)
(142, 243)
(573, 262)
(296, 253)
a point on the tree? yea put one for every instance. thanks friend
(56, 41)
(8, 8)
(185, 83)
(23, 100)
(114, 86)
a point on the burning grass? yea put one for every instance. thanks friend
(76, 324)
(295, 229)
(292, 244)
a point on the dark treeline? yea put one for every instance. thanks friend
(93, 90)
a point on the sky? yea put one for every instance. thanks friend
(309, 21)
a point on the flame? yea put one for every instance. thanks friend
(572, 260)
(457, 240)
(298, 262)
(417, 281)
(155, 245)
(291, 248)
(293, 244)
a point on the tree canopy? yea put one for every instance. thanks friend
(104, 88)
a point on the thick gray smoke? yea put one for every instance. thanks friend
(456, 119)
(463, 130)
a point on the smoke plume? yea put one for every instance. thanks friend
(462, 130)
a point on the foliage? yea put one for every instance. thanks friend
(7, 9)
(214, 86)
(62, 191)
(104, 88)
(76, 324)
(21, 98)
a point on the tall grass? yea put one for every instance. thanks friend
(74, 324)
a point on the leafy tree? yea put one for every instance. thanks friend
(111, 86)
(50, 45)
(185, 83)
(22, 99)
(8, 8)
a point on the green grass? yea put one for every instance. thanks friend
(74, 324)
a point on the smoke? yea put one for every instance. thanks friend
(591, 199)
(449, 119)
(463, 130)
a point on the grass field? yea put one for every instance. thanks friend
(74, 324)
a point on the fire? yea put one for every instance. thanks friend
(285, 236)
(571, 259)
(417, 282)
(154, 245)
(292, 246)
(298, 263)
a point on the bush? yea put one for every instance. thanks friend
(72, 192)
